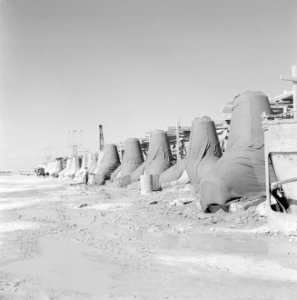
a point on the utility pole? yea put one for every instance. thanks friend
(101, 138)
(74, 140)
(177, 141)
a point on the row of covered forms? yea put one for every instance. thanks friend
(224, 161)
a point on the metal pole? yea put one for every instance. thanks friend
(177, 141)
(101, 138)
(294, 74)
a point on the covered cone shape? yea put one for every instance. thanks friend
(91, 161)
(68, 165)
(84, 164)
(99, 160)
(241, 170)
(116, 173)
(203, 151)
(56, 167)
(96, 171)
(93, 164)
(183, 179)
(135, 176)
(159, 157)
(108, 164)
(174, 172)
(132, 159)
(74, 167)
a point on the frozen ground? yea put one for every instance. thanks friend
(58, 242)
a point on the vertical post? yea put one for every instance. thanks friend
(177, 141)
(101, 138)
(294, 74)
(120, 151)
(266, 159)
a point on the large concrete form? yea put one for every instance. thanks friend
(280, 138)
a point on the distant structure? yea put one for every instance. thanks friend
(74, 140)
(48, 154)
(101, 138)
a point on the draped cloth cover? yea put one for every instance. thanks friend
(74, 167)
(132, 159)
(108, 165)
(84, 164)
(159, 158)
(135, 176)
(203, 152)
(116, 173)
(241, 171)
(95, 170)
(92, 162)
(57, 167)
(68, 164)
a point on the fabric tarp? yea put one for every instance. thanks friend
(68, 165)
(108, 165)
(115, 173)
(135, 176)
(57, 168)
(84, 164)
(99, 160)
(159, 157)
(203, 151)
(132, 159)
(74, 167)
(93, 164)
(241, 170)
(92, 175)
(174, 172)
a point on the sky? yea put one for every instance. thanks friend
(132, 66)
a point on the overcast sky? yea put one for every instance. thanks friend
(131, 65)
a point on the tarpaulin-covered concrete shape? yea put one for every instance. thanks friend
(99, 160)
(132, 159)
(159, 157)
(68, 164)
(240, 172)
(135, 176)
(74, 167)
(92, 162)
(84, 164)
(173, 173)
(116, 173)
(203, 151)
(56, 168)
(92, 175)
(108, 165)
